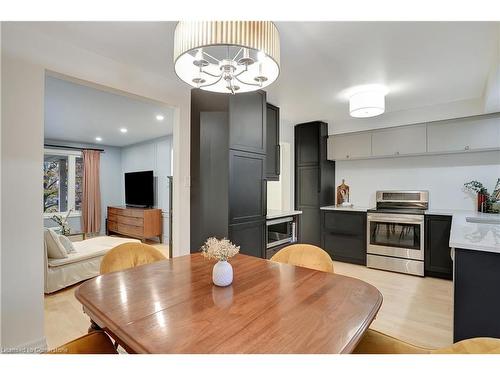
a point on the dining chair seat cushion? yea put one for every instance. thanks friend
(129, 255)
(477, 345)
(374, 342)
(96, 342)
(303, 255)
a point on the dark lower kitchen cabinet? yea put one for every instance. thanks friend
(314, 178)
(250, 237)
(476, 309)
(343, 235)
(273, 143)
(247, 187)
(438, 262)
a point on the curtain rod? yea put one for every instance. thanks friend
(74, 148)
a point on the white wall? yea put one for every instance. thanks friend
(26, 55)
(442, 175)
(153, 155)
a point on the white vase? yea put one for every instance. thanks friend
(222, 274)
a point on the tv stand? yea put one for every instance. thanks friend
(135, 222)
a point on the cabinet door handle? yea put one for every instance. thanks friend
(396, 153)
(278, 160)
(347, 156)
(466, 148)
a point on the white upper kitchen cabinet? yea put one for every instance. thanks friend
(349, 146)
(405, 140)
(468, 134)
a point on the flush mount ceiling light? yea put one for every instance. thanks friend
(368, 103)
(159, 117)
(227, 56)
(123, 130)
(98, 139)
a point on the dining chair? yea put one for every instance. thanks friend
(304, 255)
(129, 255)
(96, 342)
(374, 342)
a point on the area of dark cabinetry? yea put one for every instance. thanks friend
(438, 262)
(250, 237)
(247, 187)
(476, 304)
(344, 235)
(273, 143)
(314, 178)
(228, 160)
(247, 118)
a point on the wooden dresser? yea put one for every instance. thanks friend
(139, 223)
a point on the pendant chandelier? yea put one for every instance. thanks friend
(227, 56)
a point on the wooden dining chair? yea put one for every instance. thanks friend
(304, 255)
(96, 342)
(129, 255)
(374, 342)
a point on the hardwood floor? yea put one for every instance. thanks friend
(417, 310)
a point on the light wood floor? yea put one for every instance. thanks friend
(417, 310)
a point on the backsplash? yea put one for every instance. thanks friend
(442, 175)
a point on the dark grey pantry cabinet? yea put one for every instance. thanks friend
(228, 168)
(273, 143)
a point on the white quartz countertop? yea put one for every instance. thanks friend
(341, 208)
(274, 214)
(474, 236)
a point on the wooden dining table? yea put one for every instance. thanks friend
(172, 306)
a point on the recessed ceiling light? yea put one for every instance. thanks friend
(98, 139)
(159, 117)
(123, 130)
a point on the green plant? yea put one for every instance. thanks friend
(476, 187)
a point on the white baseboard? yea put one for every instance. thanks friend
(33, 347)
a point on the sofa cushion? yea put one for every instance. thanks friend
(67, 244)
(88, 249)
(55, 249)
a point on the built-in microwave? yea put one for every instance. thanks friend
(280, 231)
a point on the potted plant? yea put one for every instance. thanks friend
(484, 200)
(222, 250)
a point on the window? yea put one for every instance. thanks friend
(62, 181)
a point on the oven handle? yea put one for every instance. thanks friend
(387, 219)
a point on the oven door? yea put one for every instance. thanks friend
(396, 235)
(280, 231)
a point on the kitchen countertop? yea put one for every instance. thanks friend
(274, 214)
(340, 208)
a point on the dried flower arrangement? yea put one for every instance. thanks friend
(221, 250)
(63, 222)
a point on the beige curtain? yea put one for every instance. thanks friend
(91, 204)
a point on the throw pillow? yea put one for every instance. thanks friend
(55, 249)
(67, 244)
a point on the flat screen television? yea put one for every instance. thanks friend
(139, 189)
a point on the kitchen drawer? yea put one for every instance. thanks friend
(129, 220)
(131, 230)
(130, 212)
(341, 222)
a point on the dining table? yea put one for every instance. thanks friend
(172, 306)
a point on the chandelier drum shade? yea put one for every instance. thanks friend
(367, 103)
(227, 56)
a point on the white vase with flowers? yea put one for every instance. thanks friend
(221, 250)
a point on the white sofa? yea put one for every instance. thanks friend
(81, 265)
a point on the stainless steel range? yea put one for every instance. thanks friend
(396, 231)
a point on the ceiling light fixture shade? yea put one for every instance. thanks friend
(367, 103)
(227, 56)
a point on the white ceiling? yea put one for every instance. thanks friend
(79, 113)
(423, 64)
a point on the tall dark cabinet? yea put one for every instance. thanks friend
(273, 143)
(314, 178)
(228, 168)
